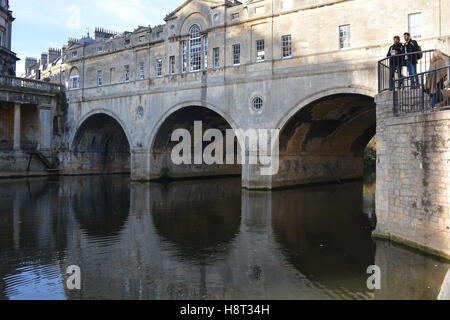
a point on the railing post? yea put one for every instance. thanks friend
(422, 94)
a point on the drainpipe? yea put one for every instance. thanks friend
(440, 18)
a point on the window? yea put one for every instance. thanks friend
(344, 37)
(159, 67)
(1, 38)
(235, 16)
(141, 71)
(127, 41)
(74, 82)
(260, 54)
(183, 57)
(172, 64)
(205, 52)
(99, 78)
(415, 25)
(257, 104)
(216, 57)
(286, 46)
(195, 49)
(236, 54)
(159, 34)
(74, 54)
(126, 73)
(141, 38)
(100, 50)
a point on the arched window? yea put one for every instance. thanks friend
(195, 49)
(74, 79)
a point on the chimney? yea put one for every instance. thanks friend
(30, 65)
(44, 58)
(53, 54)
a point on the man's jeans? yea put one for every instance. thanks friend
(393, 69)
(412, 71)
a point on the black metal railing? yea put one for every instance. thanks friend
(392, 68)
(28, 84)
(417, 94)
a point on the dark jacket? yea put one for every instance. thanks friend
(409, 47)
(396, 60)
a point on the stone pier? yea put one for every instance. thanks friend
(413, 181)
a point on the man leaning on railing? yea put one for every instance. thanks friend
(396, 61)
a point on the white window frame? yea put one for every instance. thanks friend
(172, 64)
(74, 82)
(195, 49)
(286, 46)
(216, 52)
(205, 51)
(260, 50)
(415, 25)
(158, 68)
(126, 73)
(345, 36)
(99, 78)
(236, 54)
(141, 71)
(183, 56)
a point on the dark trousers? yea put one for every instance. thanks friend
(393, 69)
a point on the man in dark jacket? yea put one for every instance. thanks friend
(396, 61)
(411, 59)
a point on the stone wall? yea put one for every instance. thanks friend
(413, 184)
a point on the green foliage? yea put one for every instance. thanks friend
(370, 157)
(62, 107)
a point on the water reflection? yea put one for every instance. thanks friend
(199, 240)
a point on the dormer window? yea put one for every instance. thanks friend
(74, 54)
(159, 34)
(235, 17)
(127, 42)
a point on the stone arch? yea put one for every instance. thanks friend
(195, 18)
(322, 139)
(183, 116)
(100, 145)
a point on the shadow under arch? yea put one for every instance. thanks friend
(324, 140)
(184, 116)
(100, 145)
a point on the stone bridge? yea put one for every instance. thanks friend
(326, 114)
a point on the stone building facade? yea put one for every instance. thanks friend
(306, 67)
(8, 58)
(27, 109)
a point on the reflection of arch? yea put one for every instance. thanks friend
(100, 145)
(200, 219)
(101, 205)
(325, 234)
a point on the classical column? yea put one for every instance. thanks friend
(17, 136)
(45, 127)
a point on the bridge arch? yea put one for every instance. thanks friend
(100, 144)
(183, 116)
(323, 138)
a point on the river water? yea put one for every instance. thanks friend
(199, 240)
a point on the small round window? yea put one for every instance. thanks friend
(216, 17)
(257, 104)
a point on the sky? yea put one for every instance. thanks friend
(41, 24)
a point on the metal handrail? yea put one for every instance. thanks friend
(410, 94)
(387, 72)
(14, 82)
